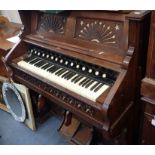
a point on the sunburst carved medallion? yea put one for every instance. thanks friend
(98, 31)
(52, 23)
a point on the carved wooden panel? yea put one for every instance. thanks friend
(52, 23)
(99, 31)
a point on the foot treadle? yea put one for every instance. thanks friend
(75, 131)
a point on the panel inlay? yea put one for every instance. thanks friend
(52, 23)
(99, 31)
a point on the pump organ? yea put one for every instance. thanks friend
(85, 61)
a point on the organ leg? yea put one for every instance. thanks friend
(75, 131)
(42, 109)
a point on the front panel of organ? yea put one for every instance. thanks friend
(87, 62)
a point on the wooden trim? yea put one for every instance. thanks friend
(3, 107)
(148, 87)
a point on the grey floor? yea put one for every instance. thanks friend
(15, 133)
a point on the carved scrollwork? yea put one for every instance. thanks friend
(52, 23)
(98, 31)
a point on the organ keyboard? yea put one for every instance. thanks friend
(85, 61)
(79, 77)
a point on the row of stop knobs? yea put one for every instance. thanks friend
(67, 63)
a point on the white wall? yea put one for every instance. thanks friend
(12, 15)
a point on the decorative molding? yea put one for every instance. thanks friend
(98, 31)
(52, 23)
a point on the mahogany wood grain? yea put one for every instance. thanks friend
(147, 91)
(123, 30)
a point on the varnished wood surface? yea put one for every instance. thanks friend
(151, 50)
(148, 130)
(115, 107)
(148, 91)
(148, 88)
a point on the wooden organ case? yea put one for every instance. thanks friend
(87, 62)
(148, 91)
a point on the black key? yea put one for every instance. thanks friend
(58, 71)
(94, 86)
(89, 83)
(64, 70)
(46, 66)
(78, 79)
(68, 76)
(54, 70)
(86, 82)
(37, 63)
(50, 68)
(75, 78)
(65, 74)
(71, 76)
(43, 65)
(98, 87)
(34, 61)
(83, 81)
(40, 63)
